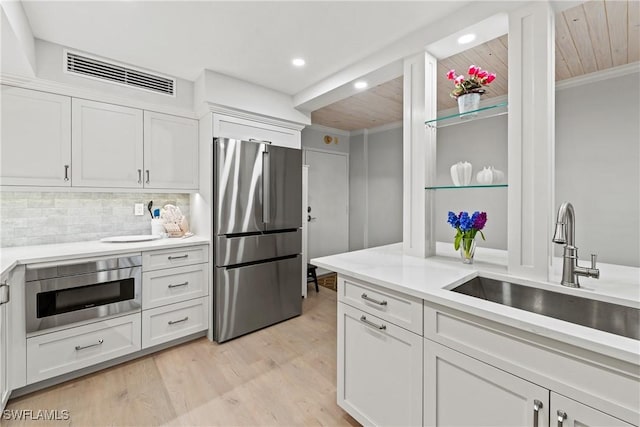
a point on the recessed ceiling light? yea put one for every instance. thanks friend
(467, 38)
(298, 62)
(360, 84)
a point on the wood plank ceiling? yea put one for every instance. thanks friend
(590, 37)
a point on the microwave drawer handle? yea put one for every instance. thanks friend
(82, 347)
(178, 257)
(177, 285)
(375, 301)
(173, 322)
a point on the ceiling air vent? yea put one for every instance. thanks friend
(115, 73)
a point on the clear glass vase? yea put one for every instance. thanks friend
(467, 249)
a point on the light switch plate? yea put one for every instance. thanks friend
(138, 209)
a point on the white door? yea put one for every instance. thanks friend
(567, 412)
(107, 145)
(379, 370)
(36, 138)
(170, 151)
(328, 200)
(462, 391)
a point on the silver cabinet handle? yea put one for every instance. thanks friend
(260, 140)
(375, 301)
(139, 176)
(66, 172)
(173, 322)
(363, 319)
(537, 405)
(561, 417)
(147, 176)
(82, 347)
(4, 294)
(178, 257)
(178, 285)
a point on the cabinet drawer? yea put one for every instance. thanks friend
(402, 310)
(167, 258)
(64, 351)
(236, 128)
(162, 287)
(173, 321)
(379, 370)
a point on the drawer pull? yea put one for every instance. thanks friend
(363, 319)
(178, 257)
(375, 301)
(173, 322)
(561, 417)
(177, 285)
(82, 347)
(4, 294)
(537, 405)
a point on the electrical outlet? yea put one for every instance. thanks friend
(138, 209)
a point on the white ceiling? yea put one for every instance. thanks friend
(253, 41)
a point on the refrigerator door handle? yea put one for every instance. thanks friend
(266, 183)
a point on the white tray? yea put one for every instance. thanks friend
(133, 238)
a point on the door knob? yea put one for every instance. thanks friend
(311, 218)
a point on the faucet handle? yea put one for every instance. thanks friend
(594, 259)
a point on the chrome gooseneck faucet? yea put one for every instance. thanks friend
(564, 235)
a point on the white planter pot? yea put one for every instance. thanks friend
(468, 102)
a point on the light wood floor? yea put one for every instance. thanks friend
(283, 375)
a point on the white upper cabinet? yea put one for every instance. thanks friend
(36, 138)
(107, 145)
(170, 151)
(248, 130)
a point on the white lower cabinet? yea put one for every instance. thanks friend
(379, 369)
(462, 391)
(4, 342)
(167, 323)
(57, 353)
(567, 412)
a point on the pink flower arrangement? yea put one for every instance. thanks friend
(473, 84)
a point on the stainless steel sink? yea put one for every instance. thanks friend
(604, 316)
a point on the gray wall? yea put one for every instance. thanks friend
(357, 192)
(481, 143)
(384, 187)
(375, 188)
(37, 218)
(597, 163)
(314, 139)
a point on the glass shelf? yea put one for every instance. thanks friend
(456, 119)
(455, 187)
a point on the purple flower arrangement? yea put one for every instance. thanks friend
(467, 226)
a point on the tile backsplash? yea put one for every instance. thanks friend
(37, 218)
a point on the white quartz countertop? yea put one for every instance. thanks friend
(10, 257)
(431, 278)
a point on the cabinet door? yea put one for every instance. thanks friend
(4, 344)
(170, 151)
(379, 370)
(107, 145)
(462, 391)
(36, 138)
(567, 412)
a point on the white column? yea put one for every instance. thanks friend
(531, 139)
(419, 155)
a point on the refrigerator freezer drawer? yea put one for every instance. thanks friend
(238, 250)
(252, 297)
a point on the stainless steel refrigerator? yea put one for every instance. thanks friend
(256, 222)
